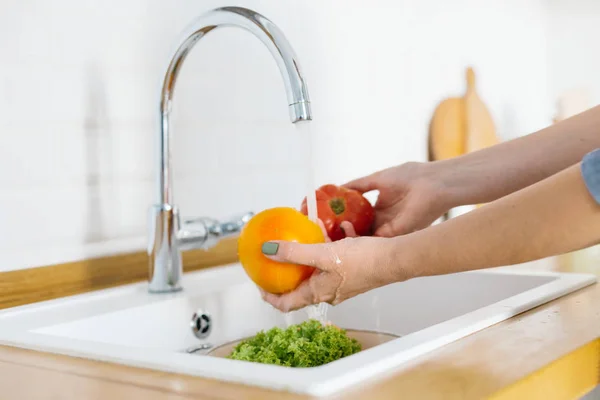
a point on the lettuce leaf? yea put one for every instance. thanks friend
(308, 344)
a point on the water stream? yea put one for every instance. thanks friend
(318, 311)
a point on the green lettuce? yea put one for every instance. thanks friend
(308, 344)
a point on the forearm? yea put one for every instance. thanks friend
(551, 217)
(491, 173)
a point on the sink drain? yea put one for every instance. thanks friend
(201, 324)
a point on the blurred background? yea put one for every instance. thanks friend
(79, 83)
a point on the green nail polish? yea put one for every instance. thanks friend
(270, 248)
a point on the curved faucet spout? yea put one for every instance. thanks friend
(163, 249)
(273, 39)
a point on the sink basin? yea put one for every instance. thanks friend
(128, 325)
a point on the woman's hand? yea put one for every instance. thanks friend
(344, 269)
(411, 197)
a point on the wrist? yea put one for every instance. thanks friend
(451, 182)
(401, 259)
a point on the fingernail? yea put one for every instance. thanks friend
(270, 248)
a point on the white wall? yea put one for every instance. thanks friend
(78, 84)
(573, 56)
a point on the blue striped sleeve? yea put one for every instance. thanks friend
(590, 169)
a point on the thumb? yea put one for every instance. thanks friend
(296, 253)
(363, 185)
(401, 225)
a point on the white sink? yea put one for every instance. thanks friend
(127, 325)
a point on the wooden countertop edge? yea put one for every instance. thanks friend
(31, 285)
(552, 351)
(571, 376)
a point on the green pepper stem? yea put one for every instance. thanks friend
(337, 205)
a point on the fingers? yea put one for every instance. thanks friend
(348, 228)
(363, 185)
(324, 230)
(295, 300)
(296, 253)
(315, 290)
(386, 230)
(262, 292)
(314, 255)
(396, 227)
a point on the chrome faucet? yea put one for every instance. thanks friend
(166, 238)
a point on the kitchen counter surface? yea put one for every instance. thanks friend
(550, 352)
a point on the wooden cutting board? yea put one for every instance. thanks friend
(461, 124)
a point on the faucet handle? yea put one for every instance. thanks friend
(232, 225)
(204, 232)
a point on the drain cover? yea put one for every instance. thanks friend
(201, 324)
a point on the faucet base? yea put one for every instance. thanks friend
(164, 258)
(171, 289)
